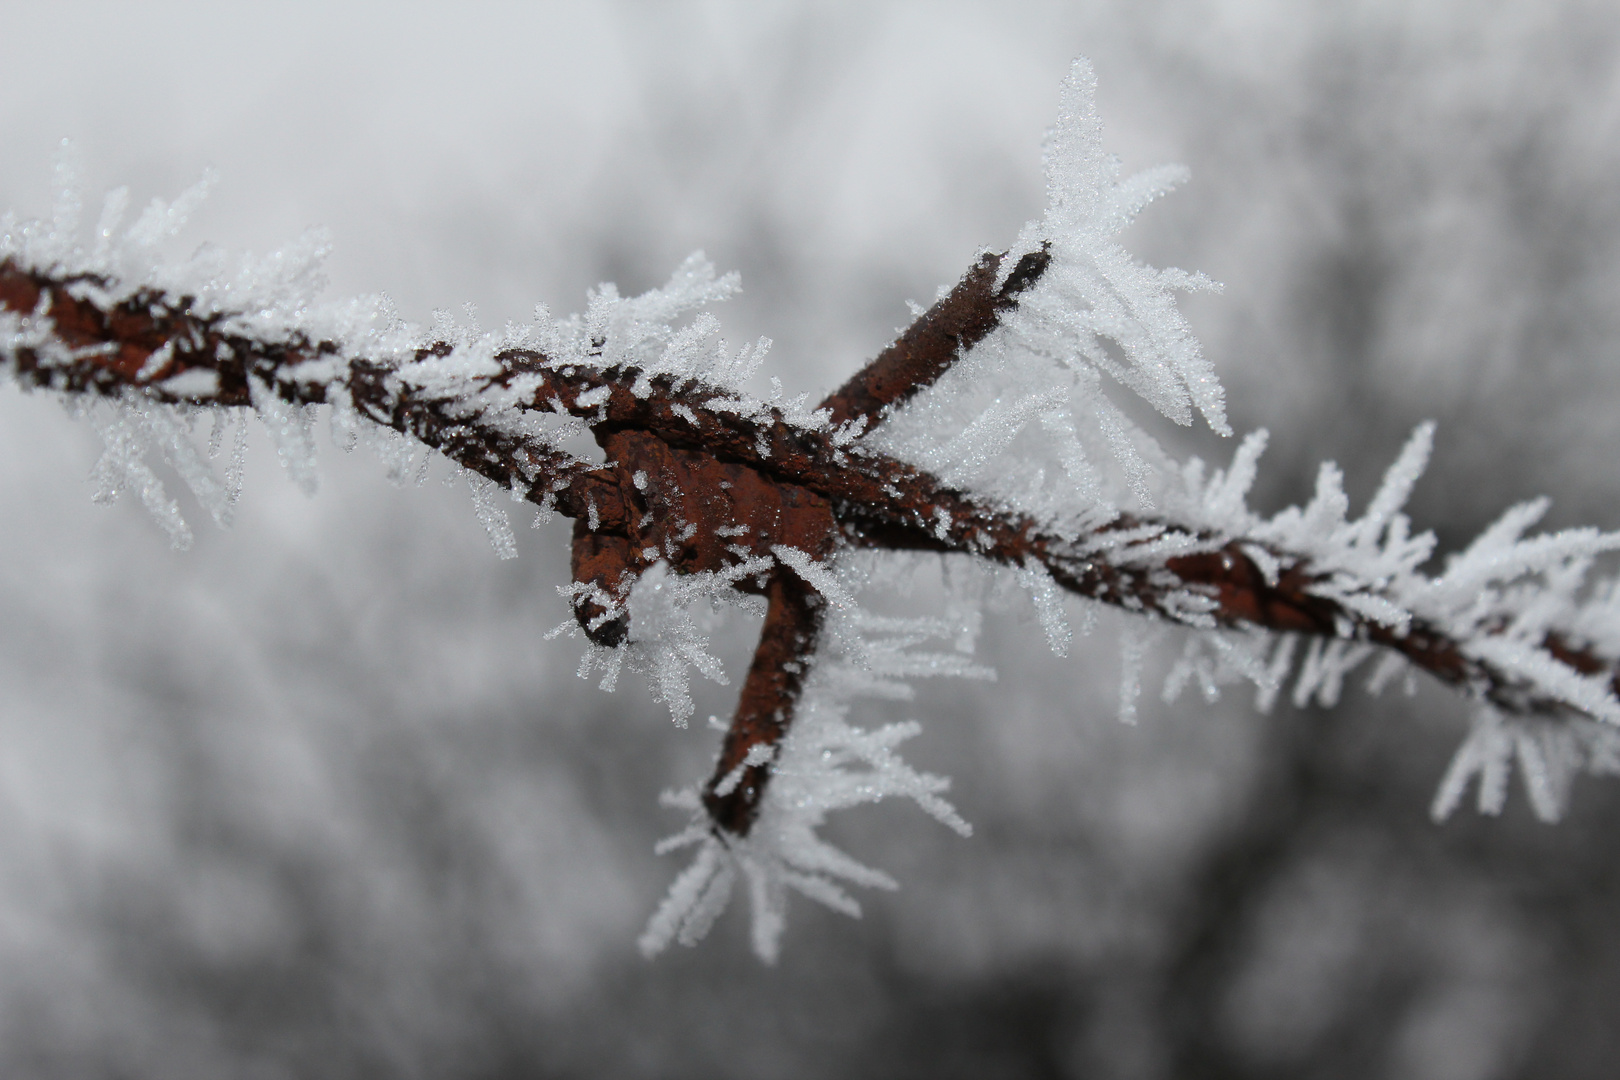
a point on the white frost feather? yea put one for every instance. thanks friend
(825, 764)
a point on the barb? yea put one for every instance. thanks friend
(926, 349)
(787, 644)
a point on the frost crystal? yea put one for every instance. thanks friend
(1048, 601)
(670, 617)
(642, 331)
(1095, 313)
(825, 764)
(1549, 754)
(122, 468)
(492, 516)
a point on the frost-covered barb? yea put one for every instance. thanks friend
(985, 432)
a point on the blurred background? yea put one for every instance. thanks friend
(315, 799)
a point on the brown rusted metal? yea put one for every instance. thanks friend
(703, 514)
(697, 482)
(609, 565)
(139, 327)
(787, 643)
(928, 347)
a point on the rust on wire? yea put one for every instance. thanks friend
(695, 484)
(765, 707)
(925, 350)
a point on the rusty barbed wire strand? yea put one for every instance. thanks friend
(699, 483)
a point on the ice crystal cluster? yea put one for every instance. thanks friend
(826, 763)
(1098, 318)
(1025, 422)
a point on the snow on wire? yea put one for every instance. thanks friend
(986, 431)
